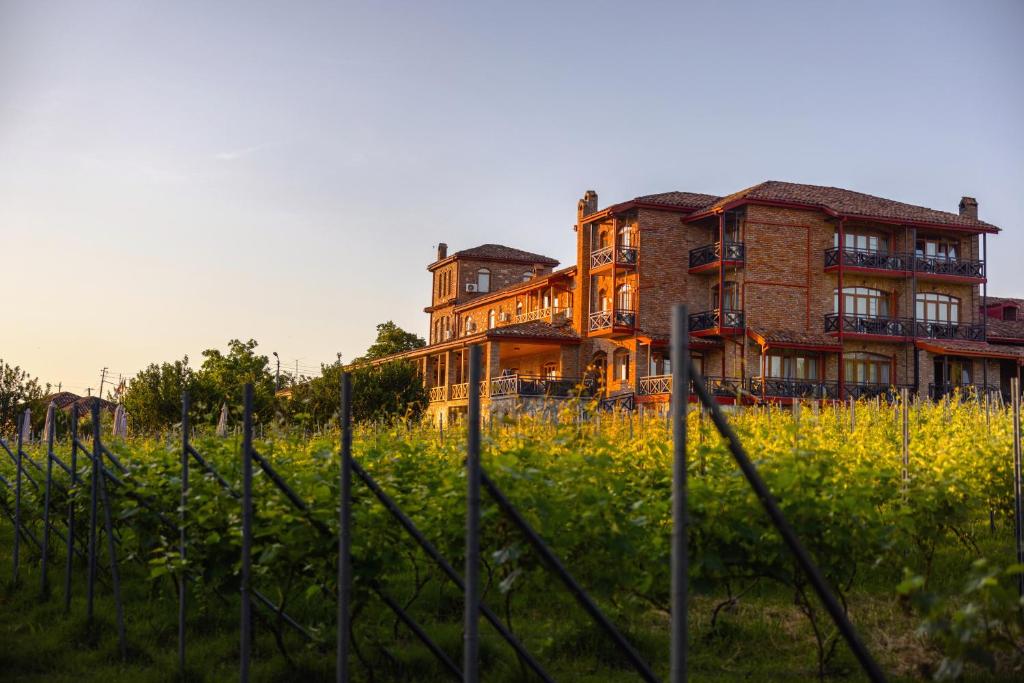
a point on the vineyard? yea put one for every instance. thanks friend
(921, 555)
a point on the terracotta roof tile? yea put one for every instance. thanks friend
(499, 252)
(783, 337)
(847, 202)
(535, 328)
(1005, 329)
(689, 200)
(972, 348)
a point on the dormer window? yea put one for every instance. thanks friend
(483, 280)
(1010, 313)
(527, 277)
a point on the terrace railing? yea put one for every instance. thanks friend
(946, 330)
(727, 319)
(620, 255)
(774, 387)
(938, 391)
(943, 265)
(867, 258)
(438, 393)
(869, 324)
(540, 385)
(712, 253)
(653, 385)
(602, 320)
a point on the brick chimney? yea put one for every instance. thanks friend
(588, 204)
(442, 251)
(969, 208)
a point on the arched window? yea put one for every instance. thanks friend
(862, 301)
(624, 297)
(867, 368)
(934, 307)
(519, 307)
(492, 319)
(483, 280)
(470, 325)
(550, 370)
(603, 301)
(620, 361)
(437, 330)
(603, 238)
(732, 298)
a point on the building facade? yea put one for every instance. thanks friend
(794, 291)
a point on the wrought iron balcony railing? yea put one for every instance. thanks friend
(964, 392)
(939, 330)
(902, 262)
(866, 258)
(903, 327)
(716, 319)
(712, 253)
(942, 265)
(620, 255)
(868, 324)
(602, 320)
(775, 387)
(859, 390)
(538, 385)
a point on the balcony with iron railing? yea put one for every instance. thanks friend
(717, 321)
(659, 385)
(617, 256)
(904, 264)
(546, 386)
(776, 387)
(883, 326)
(618, 320)
(709, 255)
(964, 392)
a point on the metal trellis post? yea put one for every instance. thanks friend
(345, 532)
(471, 636)
(245, 651)
(680, 354)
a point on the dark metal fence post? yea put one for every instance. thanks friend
(246, 616)
(17, 499)
(108, 526)
(345, 531)
(90, 590)
(1018, 515)
(44, 585)
(73, 488)
(182, 550)
(471, 636)
(680, 353)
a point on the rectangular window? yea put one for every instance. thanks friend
(786, 365)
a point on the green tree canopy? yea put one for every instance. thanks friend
(221, 377)
(392, 339)
(153, 396)
(18, 390)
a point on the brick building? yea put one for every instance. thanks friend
(795, 291)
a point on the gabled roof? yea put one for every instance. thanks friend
(1004, 300)
(793, 339)
(961, 347)
(848, 203)
(499, 252)
(1004, 329)
(688, 200)
(534, 329)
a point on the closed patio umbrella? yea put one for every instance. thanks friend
(120, 422)
(49, 419)
(222, 423)
(26, 426)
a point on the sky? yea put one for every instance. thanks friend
(175, 175)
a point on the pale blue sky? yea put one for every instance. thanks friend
(283, 170)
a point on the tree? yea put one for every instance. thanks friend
(153, 396)
(221, 377)
(382, 393)
(18, 390)
(392, 339)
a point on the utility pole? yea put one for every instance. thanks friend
(277, 373)
(88, 391)
(103, 378)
